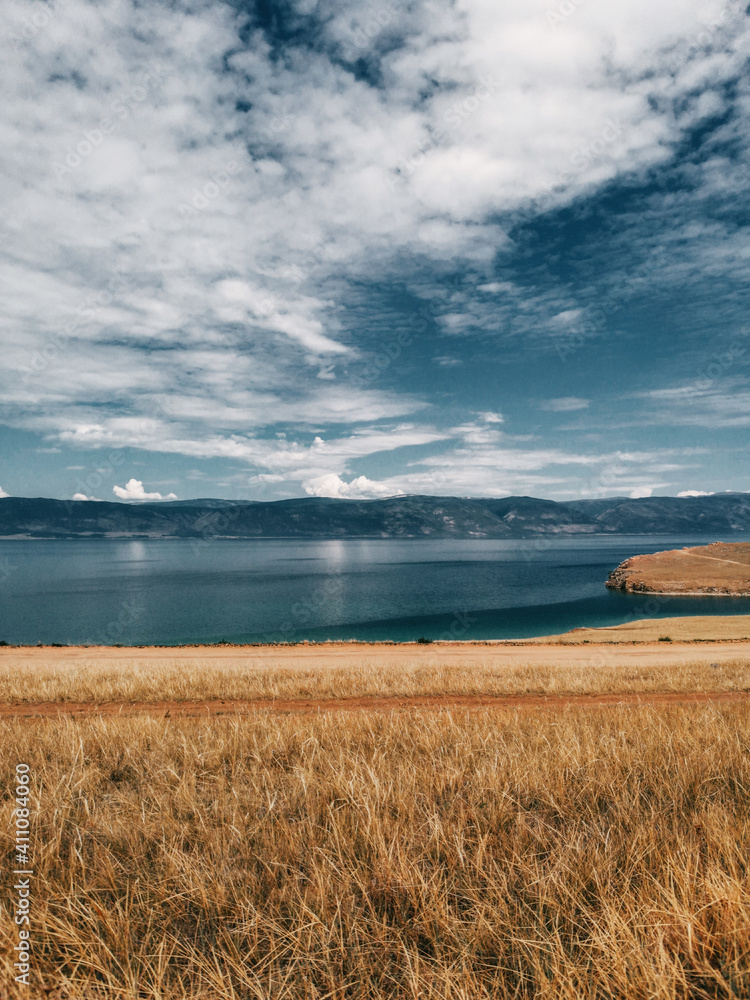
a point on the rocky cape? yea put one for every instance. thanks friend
(720, 568)
(395, 517)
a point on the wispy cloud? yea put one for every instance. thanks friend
(725, 403)
(564, 404)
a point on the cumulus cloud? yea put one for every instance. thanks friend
(3, 493)
(133, 490)
(696, 493)
(640, 492)
(361, 488)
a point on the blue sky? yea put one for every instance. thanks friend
(346, 249)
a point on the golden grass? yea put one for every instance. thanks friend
(585, 854)
(692, 628)
(192, 680)
(93, 676)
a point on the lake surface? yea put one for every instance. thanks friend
(170, 592)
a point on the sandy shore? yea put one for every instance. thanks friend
(653, 632)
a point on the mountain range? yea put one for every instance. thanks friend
(395, 517)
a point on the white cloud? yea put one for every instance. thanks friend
(722, 401)
(640, 492)
(361, 488)
(3, 493)
(133, 490)
(82, 496)
(565, 404)
(147, 210)
(695, 493)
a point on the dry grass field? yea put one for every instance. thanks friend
(519, 850)
(584, 854)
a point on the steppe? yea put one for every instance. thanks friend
(559, 818)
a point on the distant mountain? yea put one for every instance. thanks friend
(396, 517)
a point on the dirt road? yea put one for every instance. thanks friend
(195, 709)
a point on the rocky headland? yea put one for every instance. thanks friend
(719, 568)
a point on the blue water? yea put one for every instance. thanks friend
(182, 591)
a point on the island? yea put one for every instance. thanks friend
(721, 568)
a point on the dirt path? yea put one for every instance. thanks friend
(698, 555)
(194, 709)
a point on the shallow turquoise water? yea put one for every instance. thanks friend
(170, 592)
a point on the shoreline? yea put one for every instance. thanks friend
(679, 631)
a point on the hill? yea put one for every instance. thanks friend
(395, 517)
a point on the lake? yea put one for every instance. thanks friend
(166, 592)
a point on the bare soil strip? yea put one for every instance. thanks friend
(195, 709)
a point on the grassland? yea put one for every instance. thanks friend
(598, 854)
(339, 671)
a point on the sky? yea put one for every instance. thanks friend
(355, 249)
